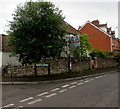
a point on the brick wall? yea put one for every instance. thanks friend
(97, 38)
(115, 44)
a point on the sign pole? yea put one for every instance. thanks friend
(69, 57)
(49, 69)
(35, 70)
(80, 55)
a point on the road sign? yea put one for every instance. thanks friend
(74, 40)
(42, 65)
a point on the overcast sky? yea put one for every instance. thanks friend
(76, 12)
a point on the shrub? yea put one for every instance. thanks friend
(117, 56)
(97, 53)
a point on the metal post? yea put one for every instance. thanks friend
(81, 63)
(35, 70)
(69, 57)
(80, 55)
(49, 69)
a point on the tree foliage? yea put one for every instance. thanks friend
(98, 53)
(37, 31)
(103, 54)
(117, 56)
(84, 47)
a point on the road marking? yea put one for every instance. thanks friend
(42, 94)
(73, 83)
(32, 102)
(9, 105)
(55, 89)
(80, 84)
(98, 77)
(86, 81)
(65, 86)
(62, 90)
(91, 79)
(26, 99)
(72, 87)
(53, 94)
(86, 78)
(80, 80)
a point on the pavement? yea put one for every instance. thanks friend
(51, 81)
(90, 91)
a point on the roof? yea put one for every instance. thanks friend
(97, 23)
(71, 29)
(102, 25)
(95, 27)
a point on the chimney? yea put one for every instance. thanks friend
(95, 22)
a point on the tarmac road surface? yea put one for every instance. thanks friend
(99, 91)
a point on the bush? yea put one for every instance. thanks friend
(117, 57)
(102, 54)
(97, 53)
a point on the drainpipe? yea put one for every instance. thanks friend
(111, 43)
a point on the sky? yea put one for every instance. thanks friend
(76, 12)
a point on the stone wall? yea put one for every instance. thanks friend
(78, 65)
(20, 71)
(56, 67)
(106, 62)
(59, 66)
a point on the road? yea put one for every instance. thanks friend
(99, 91)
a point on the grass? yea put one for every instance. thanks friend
(57, 76)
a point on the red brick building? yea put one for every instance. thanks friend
(100, 36)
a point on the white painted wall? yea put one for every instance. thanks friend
(0, 50)
(7, 60)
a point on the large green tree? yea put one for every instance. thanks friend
(37, 31)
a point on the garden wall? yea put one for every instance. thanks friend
(106, 62)
(59, 66)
